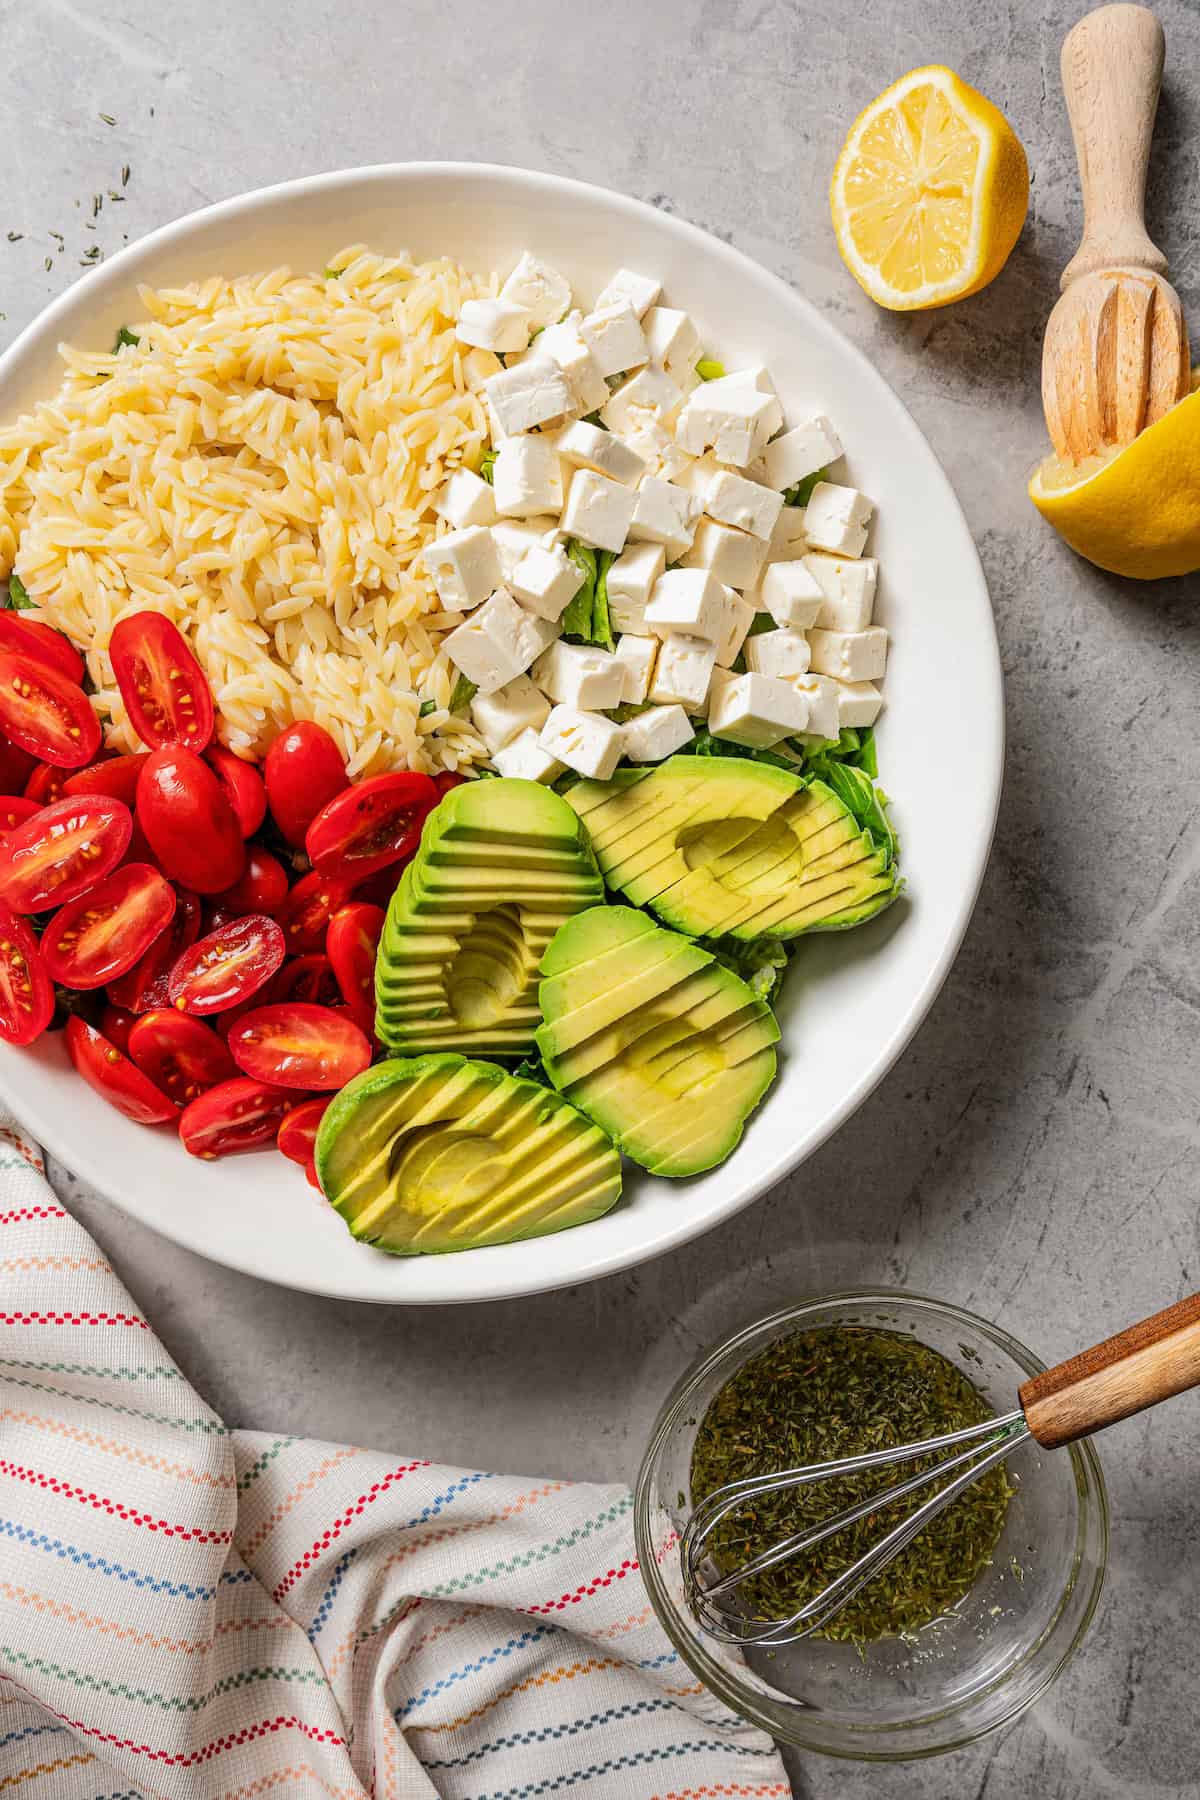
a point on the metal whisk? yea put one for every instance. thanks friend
(1139, 1367)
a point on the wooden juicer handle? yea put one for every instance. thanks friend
(1137, 1368)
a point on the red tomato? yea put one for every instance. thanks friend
(306, 912)
(370, 825)
(47, 784)
(298, 1133)
(308, 977)
(115, 1025)
(114, 1077)
(262, 886)
(377, 889)
(46, 713)
(104, 932)
(16, 766)
(115, 775)
(164, 688)
(62, 850)
(237, 1115)
(189, 823)
(243, 787)
(29, 637)
(299, 1046)
(145, 986)
(26, 990)
(227, 966)
(446, 780)
(180, 1055)
(351, 943)
(311, 1176)
(303, 770)
(15, 809)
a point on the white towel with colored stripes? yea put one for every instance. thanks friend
(208, 1614)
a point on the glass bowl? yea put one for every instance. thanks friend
(970, 1670)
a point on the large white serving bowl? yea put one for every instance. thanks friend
(855, 999)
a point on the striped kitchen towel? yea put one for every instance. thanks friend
(208, 1614)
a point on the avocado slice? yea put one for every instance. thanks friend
(427, 1154)
(654, 1039)
(500, 866)
(722, 846)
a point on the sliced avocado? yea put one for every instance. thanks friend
(665, 1048)
(428, 1154)
(722, 846)
(500, 866)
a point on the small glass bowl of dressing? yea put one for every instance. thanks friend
(970, 1670)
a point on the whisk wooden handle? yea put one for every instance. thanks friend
(1112, 63)
(1113, 1380)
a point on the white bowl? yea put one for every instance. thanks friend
(854, 999)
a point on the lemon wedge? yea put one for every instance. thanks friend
(929, 193)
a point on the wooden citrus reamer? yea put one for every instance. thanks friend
(1115, 356)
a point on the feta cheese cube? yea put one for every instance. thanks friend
(466, 499)
(822, 696)
(850, 655)
(586, 446)
(586, 741)
(746, 505)
(800, 452)
(528, 394)
(564, 346)
(671, 338)
(656, 733)
(513, 537)
(783, 653)
(581, 675)
(525, 760)
(497, 643)
(630, 289)
(664, 514)
(525, 478)
(739, 616)
(546, 580)
(493, 325)
(598, 511)
(541, 290)
(637, 654)
(849, 590)
(647, 398)
(758, 711)
(501, 716)
(463, 567)
(732, 416)
(734, 557)
(658, 450)
(788, 536)
(859, 703)
(630, 584)
(836, 519)
(615, 339)
(683, 671)
(791, 595)
(687, 600)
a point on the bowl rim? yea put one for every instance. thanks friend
(1090, 1485)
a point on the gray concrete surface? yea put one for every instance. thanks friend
(1035, 1153)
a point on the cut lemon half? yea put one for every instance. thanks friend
(929, 193)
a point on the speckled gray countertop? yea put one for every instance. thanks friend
(1034, 1155)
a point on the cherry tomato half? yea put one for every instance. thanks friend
(166, 693)
(15, 809)
(351, 943)
(375, 823)
(262, 886)
(29, 637)
(234, 1116)
(114, 1077)
(308, 977)
(63, 849)
(26, 990)
(227, 966)
(299, 1046)
(45, 712)
(303, 770)
(115, 775)
(100, 936)
(181, 1056)
(16, 766)
(306, 912)
(46, 784)
(145, 986)
(243, 787)
(298, 1133)
(115, 1025)
(188, 822)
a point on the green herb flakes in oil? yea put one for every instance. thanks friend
(841, 1391)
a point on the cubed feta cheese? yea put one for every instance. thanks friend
(687, 600)
(671, 338)
(850, 655)
(541, 290)
(493, 325)
(758, 711)
(586, 741)
(526, 479)
(800, 452)
(734, 557)
(586, 446)
(463, 567)
(791, 595)
(628, 288)
(615, 339)
(529, 394)
(664, 514)
(683, 671)
(513, 537)
(822, 696)
(746, 505)
(739, 616)
(647, 398)
(859, 703)
(525, 760)
(581, 675)
(598, 511)
(637, 654)
(849, 590)
(732, 416)
(656, 733)
(503, 715)
(631, 582)
(564, 346)
(466, 499)
(787, 539)
(836, 519)
(658, 450)
(546, 580)
(497, 643)
(783, 653)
